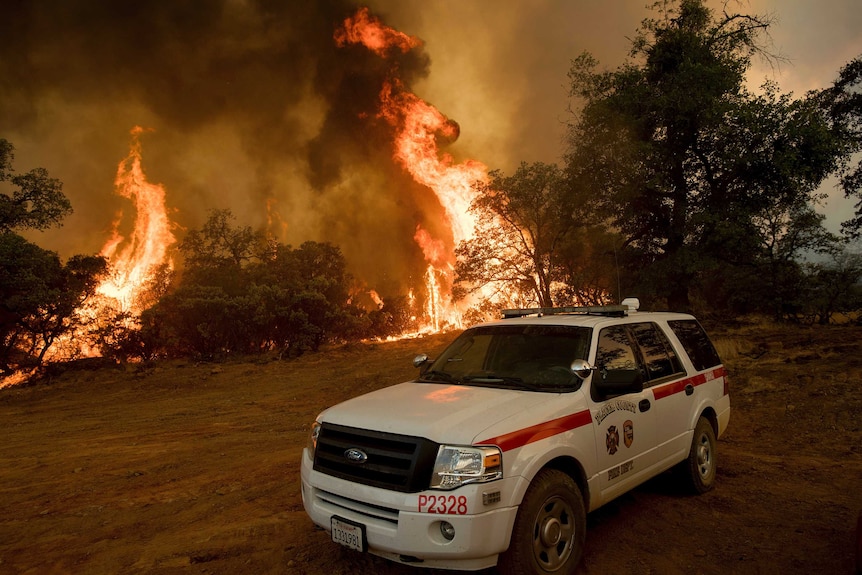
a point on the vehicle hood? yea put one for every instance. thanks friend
(440, 412)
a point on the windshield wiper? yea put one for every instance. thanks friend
(490, 378)
(511, 382)
(434, 374)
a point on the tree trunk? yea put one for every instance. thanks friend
(678, 276)
(677, 297)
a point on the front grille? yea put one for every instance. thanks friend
(397, 462)
(367, 510)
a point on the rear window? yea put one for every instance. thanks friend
(659, 357)
(696, 343)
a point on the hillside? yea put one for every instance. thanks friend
(186, 468)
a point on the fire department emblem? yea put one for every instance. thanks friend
(613, 439)
(628, 432)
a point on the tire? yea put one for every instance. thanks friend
(550, 528)
(699, 469)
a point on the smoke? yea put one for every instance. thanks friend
(253, 107)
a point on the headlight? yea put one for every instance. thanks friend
(456, 466)
(312, 438)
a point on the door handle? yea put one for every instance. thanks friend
(644, 405)
(689, 389)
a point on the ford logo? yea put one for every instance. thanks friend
(355, 455)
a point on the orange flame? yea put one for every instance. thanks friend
(152, 235)
(375, 297)
(434, 250)
(419, 130)
(132, 263)
(420, 125)
(370, 32)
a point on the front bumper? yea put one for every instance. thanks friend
(405, 527)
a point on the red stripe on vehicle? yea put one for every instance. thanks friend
(541, 431)
(675, 387)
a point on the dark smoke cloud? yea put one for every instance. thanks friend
(253, 107)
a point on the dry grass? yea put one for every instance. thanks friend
(184, 467)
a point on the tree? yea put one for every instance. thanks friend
(832, 287)
(61, 314)
(218, 244)
(37, 201)
(40, 298)
(210, 309)
(682, 157)
(313, 304)
(39, 295)
(523, 222)
(393, 318)
(589, 264)
(784, 234)
(843, 102)
(241, 292)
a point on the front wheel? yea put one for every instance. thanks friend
(698, 471)
(550, 528)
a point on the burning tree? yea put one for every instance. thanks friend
(533, 235)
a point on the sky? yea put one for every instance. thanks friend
(249, 105)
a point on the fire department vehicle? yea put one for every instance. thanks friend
(496, 452)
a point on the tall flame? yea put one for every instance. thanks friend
(367, 30)
(133, 261)
(419, 129)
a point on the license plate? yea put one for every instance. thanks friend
(348, 533)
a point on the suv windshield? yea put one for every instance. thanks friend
(525, 357)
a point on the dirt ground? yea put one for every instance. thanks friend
(187, 468)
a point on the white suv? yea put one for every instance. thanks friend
(497, 451)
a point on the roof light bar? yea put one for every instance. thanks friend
(609, 310)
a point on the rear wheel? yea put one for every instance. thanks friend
(698, 471)
(550, 528)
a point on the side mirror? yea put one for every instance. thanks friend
(582, 368)
(422, 362)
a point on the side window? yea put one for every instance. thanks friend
(696, 343)
(615, 350)
(660, 360)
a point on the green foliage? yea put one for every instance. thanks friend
(243, 293)
(40, 298)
